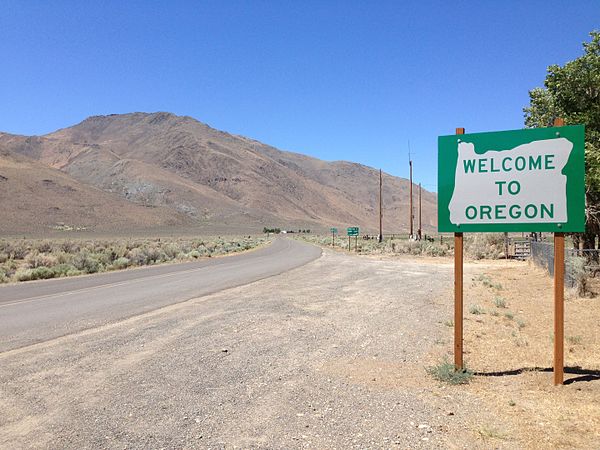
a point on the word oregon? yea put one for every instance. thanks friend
(508, 164)
(499, 212)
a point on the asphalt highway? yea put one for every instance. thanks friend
(42, 310)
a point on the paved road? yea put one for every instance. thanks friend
(37, 311)
(331, 355)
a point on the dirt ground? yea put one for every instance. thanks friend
(330, 355)
(509, 344)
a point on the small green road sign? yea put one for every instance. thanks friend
(333, 230)
(521, 180)
(352, 231)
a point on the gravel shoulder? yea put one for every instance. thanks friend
(328, 355)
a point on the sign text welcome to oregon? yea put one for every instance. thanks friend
(523, 180)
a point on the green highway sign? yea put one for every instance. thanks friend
(333, 230)
(352, 231)
(521, 180)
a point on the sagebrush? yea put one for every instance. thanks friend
(29, 259)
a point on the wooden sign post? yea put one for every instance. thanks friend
(458, 293)
(529, 180)
(559, 299)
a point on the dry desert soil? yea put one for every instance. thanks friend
(330, 355)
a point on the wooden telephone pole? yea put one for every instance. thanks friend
(380, 239)
(420, 230)
(410, 213)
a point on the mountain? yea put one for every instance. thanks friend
(36, 198)
(211, 178)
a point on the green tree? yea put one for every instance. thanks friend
(572, 92)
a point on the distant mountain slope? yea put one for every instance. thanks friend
(36, 198)
(214, 177)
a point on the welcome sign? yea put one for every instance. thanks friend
(522, 180)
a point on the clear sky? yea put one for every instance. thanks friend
(351, 80)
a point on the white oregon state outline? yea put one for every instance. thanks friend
(537, 167)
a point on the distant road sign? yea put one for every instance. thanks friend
(352, 231)
(333, 230)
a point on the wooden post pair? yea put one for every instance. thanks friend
(559, 292)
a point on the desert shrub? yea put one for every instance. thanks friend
(476, 309)
(145, 255)
(484, 245)
(449, 373)
(105, 259)
(64, 270)
(433, 249)
(23, 275)
(407, 247)
(43, 246)
(171, 251)
(63, 258)
(204, 251)
(73, 257)
(576, 270)
(69, 247)
(500, 302)
(137, 257)
(114, 252)
(121, 263)
(9, 267)
(226, 248)
(39, 273)
(154, 255)
(184, 248)
(18, 250)
(85, 262)
(35, 259)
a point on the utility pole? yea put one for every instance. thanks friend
(380, 239)
(410, 213)
(419, 232)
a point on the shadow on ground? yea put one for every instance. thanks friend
(584, 374)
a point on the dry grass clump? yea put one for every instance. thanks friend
(25, 260)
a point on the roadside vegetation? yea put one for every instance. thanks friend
(25, 260)
(509, 349)
(477, 245)
(447, 372)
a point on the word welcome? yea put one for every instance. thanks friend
(508, 164)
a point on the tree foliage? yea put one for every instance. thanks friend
(572, 92)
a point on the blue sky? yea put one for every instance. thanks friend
(332, 79)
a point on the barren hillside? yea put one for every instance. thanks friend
(36, 199)
(212, 177)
